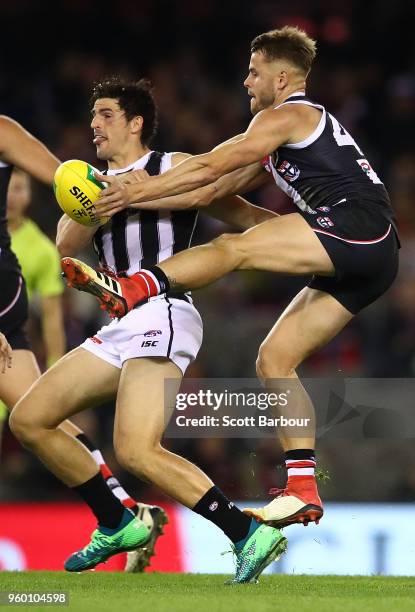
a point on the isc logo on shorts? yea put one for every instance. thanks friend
(151, 333)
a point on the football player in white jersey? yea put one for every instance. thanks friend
(343, 233)
(131, 358)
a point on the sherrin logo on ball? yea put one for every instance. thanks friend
(76, 191)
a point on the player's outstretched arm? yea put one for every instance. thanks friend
(238, 181)
(268, 130)
(71, 237)
(19, 148)
(233, 209)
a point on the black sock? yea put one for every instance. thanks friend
(116, 488)
(299, 454)
(106, 507)
(217, 508)
(161, 277)
(300, 462)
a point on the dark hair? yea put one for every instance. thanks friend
(288, 43)
(134, 98)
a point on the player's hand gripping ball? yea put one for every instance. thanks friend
(76, 191)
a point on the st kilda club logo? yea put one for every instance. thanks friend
(289, 172)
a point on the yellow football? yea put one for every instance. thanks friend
(76, 191)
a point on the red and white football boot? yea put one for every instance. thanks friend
(117, 295)
(299, 502)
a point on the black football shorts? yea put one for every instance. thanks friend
(13, 307)
(364, 249)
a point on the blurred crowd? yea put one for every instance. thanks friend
(196, 55)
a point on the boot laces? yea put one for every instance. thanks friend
(98, 540)
(276, 492)
(105, 269)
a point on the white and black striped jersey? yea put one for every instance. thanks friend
(326, 168)
(135, 239)
(7, 256)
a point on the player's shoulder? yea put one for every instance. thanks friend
(7, 122)
(12, 134)
(284, 118)
(291, 108)
(177, 157)
(298, 106)
(9, 126)
(291, 114)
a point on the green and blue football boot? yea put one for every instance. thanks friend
(105, 543)
(262, 546)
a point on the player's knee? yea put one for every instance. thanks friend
(224, 241)
(22, 426)
(229, 244)
(274, 362)
(237, 247)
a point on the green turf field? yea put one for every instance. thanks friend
(115, 592)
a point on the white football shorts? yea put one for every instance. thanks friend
(162, 327)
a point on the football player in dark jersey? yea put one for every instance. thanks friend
(20, 149)
(343, 234)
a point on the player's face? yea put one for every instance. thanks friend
(18, 195)
(111, 128)
(260, 82)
